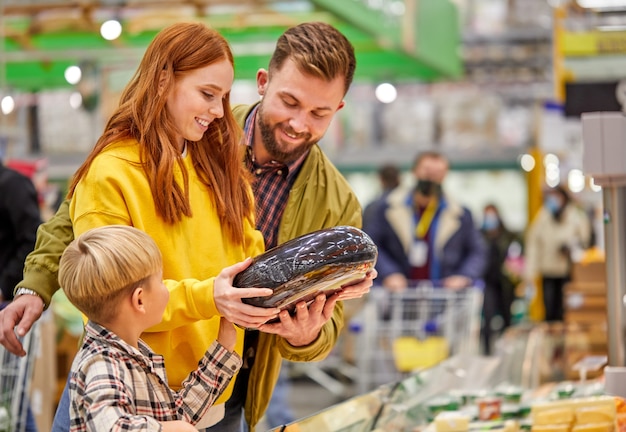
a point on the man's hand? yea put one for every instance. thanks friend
(18, 317)
(359, 289)
(228, 299)
(304, 326)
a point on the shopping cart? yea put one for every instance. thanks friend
(15, 379)
(399, 333)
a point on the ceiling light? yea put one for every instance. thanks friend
(386, 93)
(576, 180)
(76, 100)
(552, 175)
(527, 162)
(73, 74)
(550, 159)
(7, 105)
(601, 4)
(615, 27)
(111, 29)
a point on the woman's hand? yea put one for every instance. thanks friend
(228, 299)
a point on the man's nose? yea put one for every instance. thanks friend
(298, 122)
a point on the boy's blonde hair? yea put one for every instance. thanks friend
(103, 264)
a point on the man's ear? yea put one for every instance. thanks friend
(262, 79)
(137, 301)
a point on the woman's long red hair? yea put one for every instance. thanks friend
(142, 115)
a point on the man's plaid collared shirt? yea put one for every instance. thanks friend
(271, 186)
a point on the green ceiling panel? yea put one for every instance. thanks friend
(438, 37)
(61, 41)
(428, 30)
(37, 75)
(43, 63)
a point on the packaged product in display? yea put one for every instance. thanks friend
(298, 270)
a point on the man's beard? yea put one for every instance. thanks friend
(268, 135)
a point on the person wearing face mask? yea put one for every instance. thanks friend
(423, 235)
(503, 246)
(559, 229)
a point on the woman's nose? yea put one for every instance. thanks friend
(217, 109)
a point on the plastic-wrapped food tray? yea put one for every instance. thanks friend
(298, 270)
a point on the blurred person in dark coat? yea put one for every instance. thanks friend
(389, 178)
(504, 248)
(423, 235)
(19, 219)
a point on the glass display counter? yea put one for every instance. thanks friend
(459, 383)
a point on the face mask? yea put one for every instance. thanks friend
(428, 188)
(552, 203)
(490, 222)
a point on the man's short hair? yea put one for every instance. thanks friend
(429, 154)
(103, 264)
(317, 49)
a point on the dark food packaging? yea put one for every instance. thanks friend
(298, 270)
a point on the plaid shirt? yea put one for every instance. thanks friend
(271, 186)
(116, 385)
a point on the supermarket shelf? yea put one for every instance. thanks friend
(487, 157)
(527, 34)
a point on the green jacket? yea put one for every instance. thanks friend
(320, 198)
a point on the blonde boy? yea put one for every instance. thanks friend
(113, 274)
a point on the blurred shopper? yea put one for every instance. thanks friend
(423, 235)
(389, 179)
(19, 219)
(559, 231)
(501, 274)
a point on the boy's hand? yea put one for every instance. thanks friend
(177, 426)
(227, 335)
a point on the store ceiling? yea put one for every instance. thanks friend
(397, 40)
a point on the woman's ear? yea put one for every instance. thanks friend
(162, 81)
